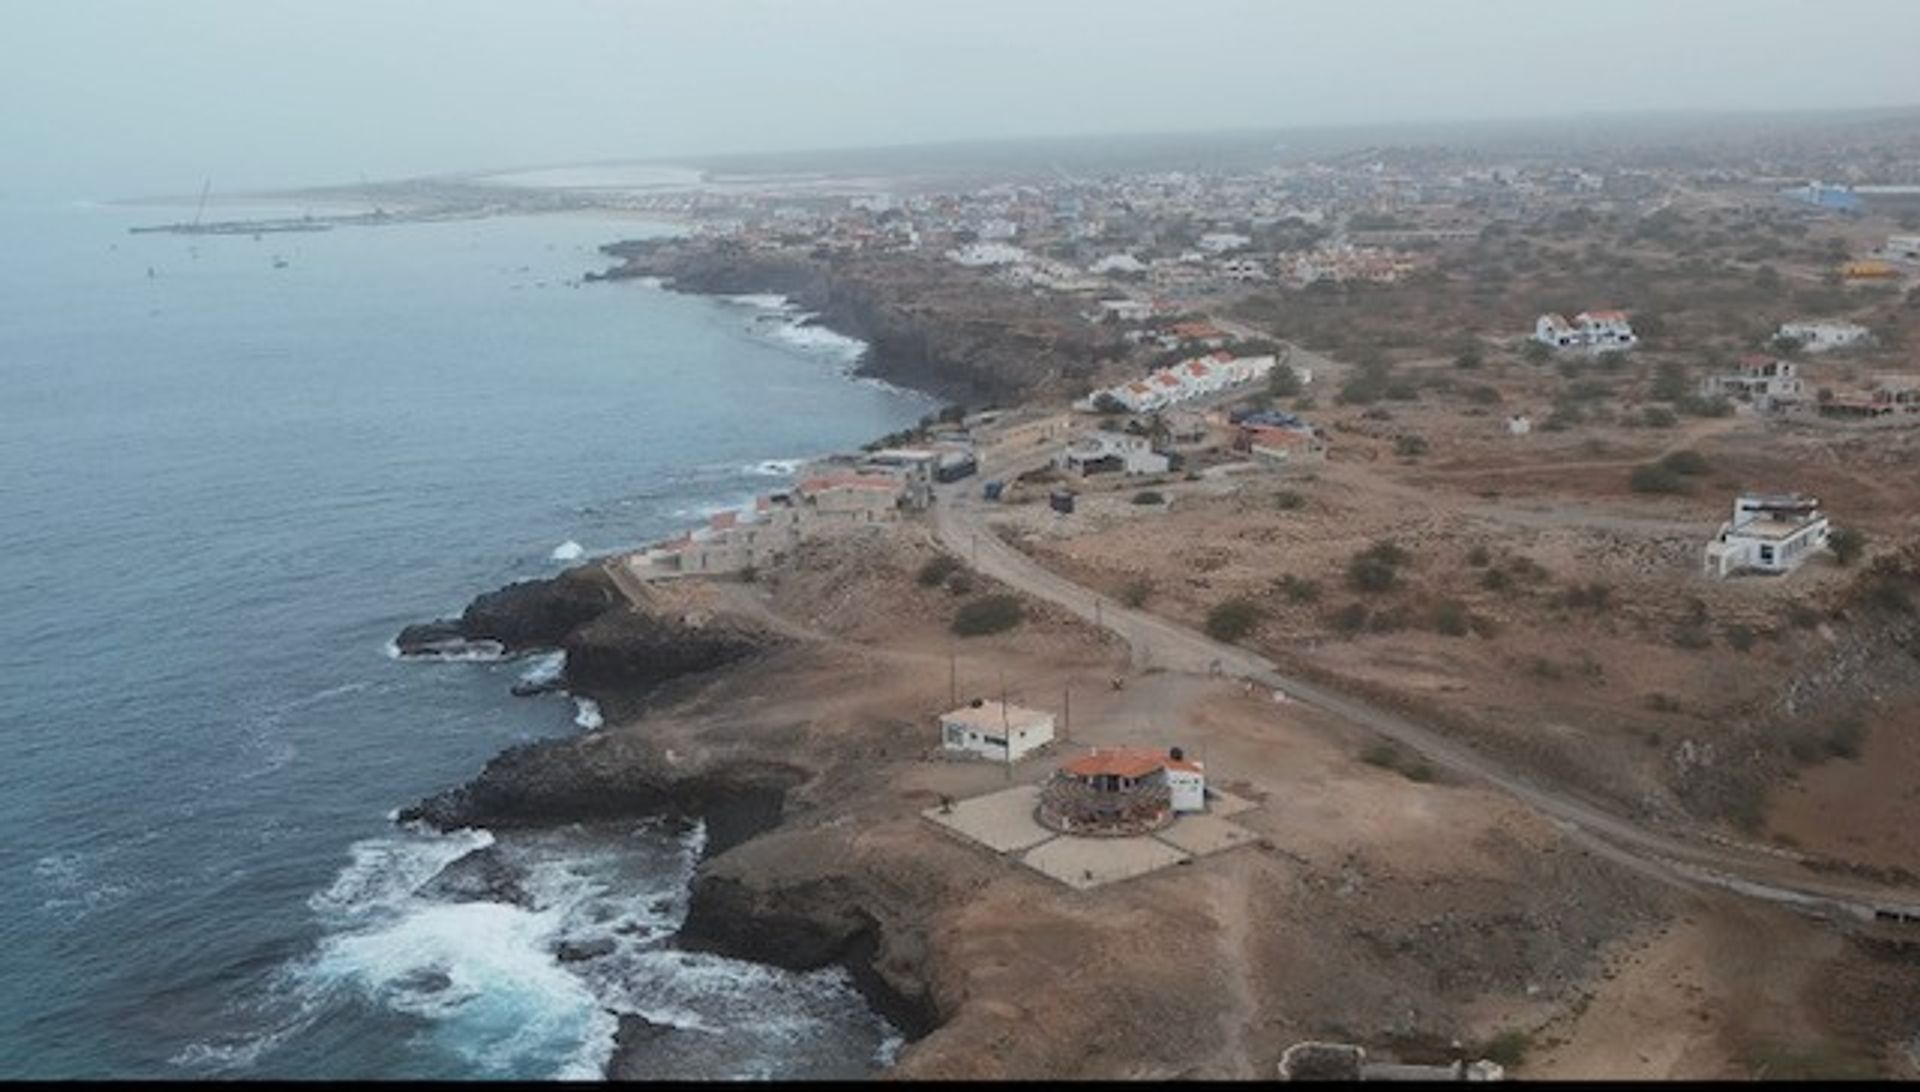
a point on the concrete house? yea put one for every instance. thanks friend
(1605, 329)
(1769, 533)
(1099, 452)
(1819, 337)
(995, 731)
(1555, 332)
(1761, 380)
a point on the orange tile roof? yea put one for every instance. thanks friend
(1130, 762)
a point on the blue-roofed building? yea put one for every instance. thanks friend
(1822, 196)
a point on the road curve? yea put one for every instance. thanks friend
(961, 526)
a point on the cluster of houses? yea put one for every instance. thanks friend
(1275, 439)
(833, 495)
(1594, 331)
(1346, 262)
(1820, 337)
(1187, 380)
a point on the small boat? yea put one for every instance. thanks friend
(279, 262)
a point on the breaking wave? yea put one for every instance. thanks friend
(456, 650)
(568, 551)
(587, 714)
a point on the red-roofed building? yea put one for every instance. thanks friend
(1122, 791)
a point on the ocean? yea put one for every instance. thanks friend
(230, 470)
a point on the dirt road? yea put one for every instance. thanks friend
(960, 523)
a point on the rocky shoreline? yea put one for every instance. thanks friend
(620, 655)
(928, 325)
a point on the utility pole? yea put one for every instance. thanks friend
(1066, 713)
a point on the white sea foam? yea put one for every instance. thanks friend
(545, 668)
(483, 651)
(774, 468)
(568, 551)
(587, 714)
(820, 341)
(761, 301)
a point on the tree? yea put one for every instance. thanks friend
(1232, 620)
(1283, 381)
(1786, 346)
(1106, 404)
(1847, 544)
(1669, 382)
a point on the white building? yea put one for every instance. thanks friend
(1903, 248)
(1118, 263)
(996, 731)
(1519, 425)
(1186, 782)
(1220, 242)
(1593, 330)
(1098, 451)
(1818, 337)
(1126, 310)
(1769, 533)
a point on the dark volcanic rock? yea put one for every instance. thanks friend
(480, 876)
(629, 1043)
(528, 615)
(539, 613)
(609, 776)
(629, 652)
(579, 951)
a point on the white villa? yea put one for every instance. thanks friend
(1098, 451)
(1769, 533)
(1593, 330)
(995, 730)
(1818, 337)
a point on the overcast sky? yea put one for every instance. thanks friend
(115, 97)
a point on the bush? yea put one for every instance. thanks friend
(1483, 395)
(1283, 381)
(1468, 359)
(1847, 545)
(1739, 636)
(960, 583)
(1297, 589)
(1695, 406)
(1287, 500)
(1479, 557)
(1536, 353)
(1410, 447)
(1232, 620)
(1846, 738)
(1350, 619)
(1802, 615)
(1692, 637)
(1655, 478)
(1496, 580)
(1595, 596)
(1148, 496)
(1384, 755)
(1370, 574)
(1890, 596)
(937, 569)
(1688, 462)
(1507, 1049)
(1669, 382)
(988, 614)
(1663, 703)
(1135, 593)
(1451, 618)
(1658, 417)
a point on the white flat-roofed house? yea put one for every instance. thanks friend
(1126, 310)
(1605, 329)
(995, 731)
(1903, 248)
(1769, 533)
(1106, 451)
(1139, 396)
(1819, 337)
(1554, 331)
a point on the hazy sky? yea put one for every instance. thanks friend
(115, 97)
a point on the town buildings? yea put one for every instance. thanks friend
(1099, 452)
(1766, 383)
(1769, 533)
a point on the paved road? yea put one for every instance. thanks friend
(1759, 872)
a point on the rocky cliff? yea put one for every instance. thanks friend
(929, 324)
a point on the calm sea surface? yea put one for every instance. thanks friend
(224, 485)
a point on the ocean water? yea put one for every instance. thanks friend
(224, 485)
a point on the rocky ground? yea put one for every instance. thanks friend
(1382, 905)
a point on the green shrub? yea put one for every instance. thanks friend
(1847, 544)
(937, 569)
(1451, 619)
(1298, 589)
(1658, 417)
(1846, 738)
(960, 583)
(1350, 619)
(1479, 557)
(1135, 593)
(1287, 500)
(1483, 395)
(1663, 703)
(1654, 478)
(1496, 580)
(1508, 1048)
(1232, 620)
(1739, 636)
(1384, 755)
(1148, 496)
(1370, 574)
(1692, 637)
(1543, 668)
(988, 614)
(1687, 461)
(1802, 615)
(1417, 770)
(1410, 447)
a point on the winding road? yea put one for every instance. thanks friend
(960, 522)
